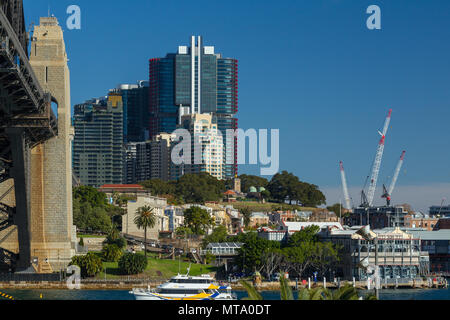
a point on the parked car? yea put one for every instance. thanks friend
(275, 277)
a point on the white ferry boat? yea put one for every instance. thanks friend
(185, 287)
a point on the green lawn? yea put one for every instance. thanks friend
(168, 269)
(90, 236)
(266, 207)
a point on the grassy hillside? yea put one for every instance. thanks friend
(168, 269)
(267, 207)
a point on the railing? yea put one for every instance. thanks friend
(150, 281)
(220, 252)
(32, 277)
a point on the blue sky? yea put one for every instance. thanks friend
(309, 68)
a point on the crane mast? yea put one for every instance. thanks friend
(396, 174)
(344, 187)
(377, 162)
(387, 193)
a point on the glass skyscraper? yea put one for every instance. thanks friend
(98, 142)
(135, 111)
(195, 80)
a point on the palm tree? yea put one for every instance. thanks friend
(252, 292)
(312, 294)
(145, 218)
(285, 290)
(347, 292)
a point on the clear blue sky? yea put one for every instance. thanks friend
(309, 68)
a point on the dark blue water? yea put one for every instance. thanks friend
(403, 294)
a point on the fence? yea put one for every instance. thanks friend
(31, 277)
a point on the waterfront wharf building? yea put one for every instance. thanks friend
(225, 253)
(437, 244)
(377, 217)
(398, 254)
(195, 80)
(98, 154)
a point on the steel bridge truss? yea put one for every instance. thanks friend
(26, 120)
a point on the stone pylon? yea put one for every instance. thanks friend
(52, 233)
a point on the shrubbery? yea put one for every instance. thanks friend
(111, 253)
(90, 264)
(131, 263)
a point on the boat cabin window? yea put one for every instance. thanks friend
(177, 291)
(202, 281)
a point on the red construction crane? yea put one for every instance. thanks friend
(377, 162)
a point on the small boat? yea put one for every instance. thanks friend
(185, 287)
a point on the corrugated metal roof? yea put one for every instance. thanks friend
(296, 226)
(236, 245)
(432, 235)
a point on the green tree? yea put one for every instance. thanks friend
(219, 234)
(325, 256)
(90, 195)
(131, 264)
(285, 186)
(183, 232)
(248, 181)
(91, 210)
(251, 255)
(121, 243)
(308, 234)
(199, 188)
(159, 187)
(300, 258)
(246, 213)
(113, 235)
(198, 220)
(111, 253)
(145, 218)
(90, 264)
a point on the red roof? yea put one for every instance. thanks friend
(121, 186)
(230, 192)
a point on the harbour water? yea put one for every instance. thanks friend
(403, 294)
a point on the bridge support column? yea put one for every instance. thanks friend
(20, 172)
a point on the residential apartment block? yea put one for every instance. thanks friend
(98, 142)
